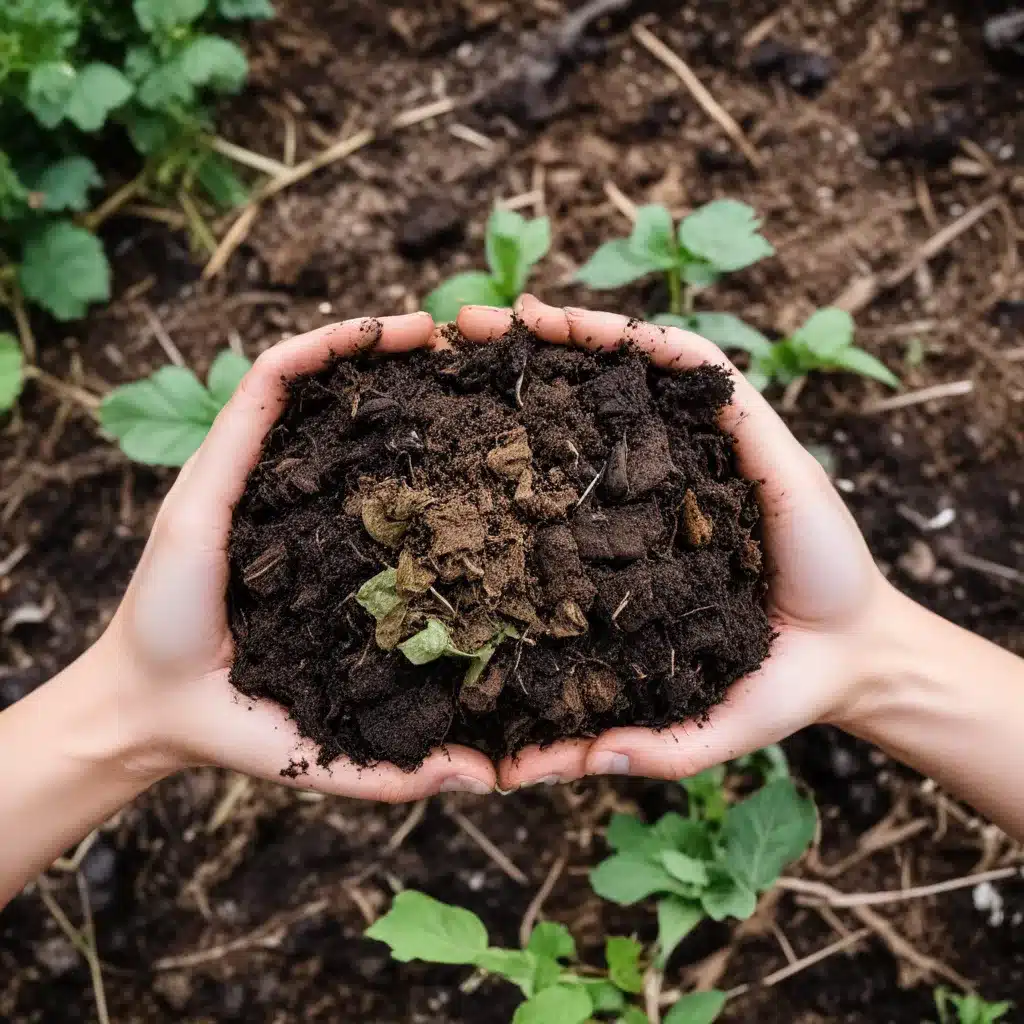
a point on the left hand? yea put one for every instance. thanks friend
(169, 644)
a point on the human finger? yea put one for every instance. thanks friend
(483, 323)
(216, 724)
(564, 761)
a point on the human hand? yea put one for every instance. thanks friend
(824, 596)
(170, 638)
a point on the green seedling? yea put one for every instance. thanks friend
(824, 342)
(514, 245)
(418, 927)
(73, 78)
(968, 1009)
(714, 862)
(716, 239)
(162, 420)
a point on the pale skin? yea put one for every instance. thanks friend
(152, 696)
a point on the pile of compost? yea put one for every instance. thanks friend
(496, 546)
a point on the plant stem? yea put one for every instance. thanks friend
(688, 295)
(28, 341)
(675, 291)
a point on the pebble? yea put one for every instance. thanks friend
(918, 561)
(988, 899)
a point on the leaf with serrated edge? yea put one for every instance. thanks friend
(418, 927)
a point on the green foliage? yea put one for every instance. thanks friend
(12, 370)
(162, 420)
(715, 862)
(379, 594)
(73, 77)
(430, 643)
(824, 342)
(514, 245)
(418, 927)
(968, 1009)
(719, 238)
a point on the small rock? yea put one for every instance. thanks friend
(918, 561)
(615, 484)
(804, 71)
(988, 899)
(934, 143)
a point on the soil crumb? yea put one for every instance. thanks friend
(495, 546)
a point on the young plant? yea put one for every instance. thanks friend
(73, 78)
(418, 927)
(514, 245)
(716, 239)
(968, 1009)
(713, 863)
(824, 342)
(162, 420)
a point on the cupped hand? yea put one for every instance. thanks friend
(170, 637)
(824, 586)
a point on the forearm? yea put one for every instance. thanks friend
(70, 756)
(949, 704)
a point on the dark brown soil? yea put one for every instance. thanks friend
(589, 502)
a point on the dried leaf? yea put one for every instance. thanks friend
(389, 628)
(698, 527)
(378, 595)
(481, 690)
(411, 577)
(511, 459)
(388, 512)
(430, 643)
(569, 620)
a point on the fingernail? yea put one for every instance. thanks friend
(545, 780)
(465, 784)
(486, 309)
(609, 763)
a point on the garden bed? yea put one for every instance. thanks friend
(219, 899)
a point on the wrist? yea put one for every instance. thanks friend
(110, 715)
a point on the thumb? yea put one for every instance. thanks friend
(783, 696)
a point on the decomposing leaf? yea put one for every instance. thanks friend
(411, 577)
(481, 686)
(430, 643)
(379, 595)
(389, 627)
(511, 459)
(697, 527)
(389, 510)
(569, 620)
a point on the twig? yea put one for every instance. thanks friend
(363, 904)
(521, 201)
(620, 200)
(236, 792)
(436, 593)
(415, 816)
(951, 389)
(425, 112)
(8, 564)
(967, 561)
(622, 606)
(68, 865)
(492, 851)
(540, 898)
(89, 934)
(470, 135)
(837, 899)
(784, 944)
(711, 106)
(872, 843)
(125, 194)
(158, 331)
(199, 228)
(80, 396)
(591, 486)
(246, 157)
(863, 290)
(21, 320)
(804, 962)
(653, 981)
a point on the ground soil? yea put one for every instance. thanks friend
(216, 901)
(588, 501)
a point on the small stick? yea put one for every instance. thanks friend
(653, 981)
(951, 389)
(784, 944)
(8, 564)
(591, 486)
(1004, 572)
(622, 606)
(24, 325)
(521, 201)
(68, 865)
(246, 157)
(414, 817)
(425, 112)
(711, 106)
(837, 899)
(540, 898)
(470, 135)
(492, 851)
(620, 200)
(89, 935)
(236, 792)
(80, 396)
(436, 593)
(159, 332)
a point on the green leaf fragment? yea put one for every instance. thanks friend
(430, 643)
(730, 332)
(161, 16)
(696, 1008)
(237, 10)
(12, 370)
(560, 1004)
(623, 958)
(553, 940)
(627, 878)
(47, 92)
(765, 832)
(856, 360)
(677, 917)
(633, 1015)
(616, 264)
(725, 234)
(653, 237)
(65, 185)
(727, 897)
(826, 332)
(474, 288)
(688, 870)
(221, 183)
(603, 995)
(513, 245)
(97, 90)
(225, 375)
(214, 62)
(418, 927)
(379, 595)
(527, 970)
(63, 269)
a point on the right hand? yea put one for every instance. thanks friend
(825, 598)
